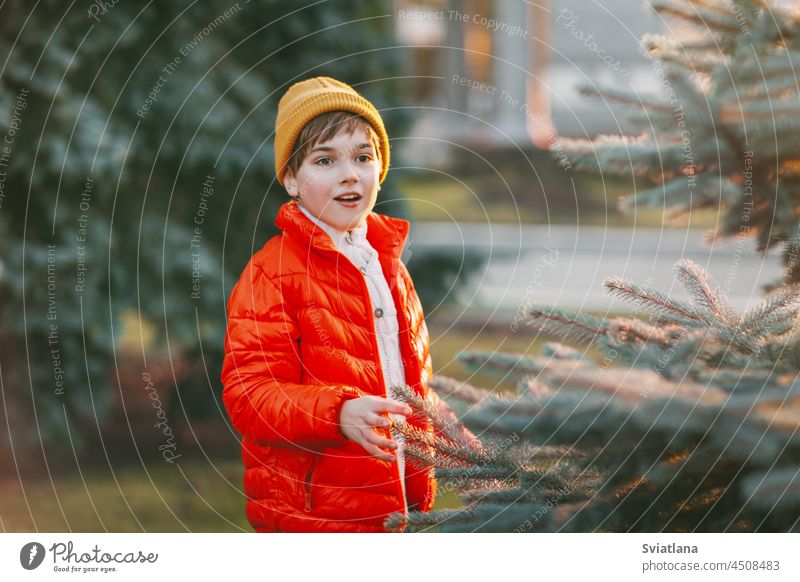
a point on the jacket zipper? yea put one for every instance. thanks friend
(400, 477)
(399, 486)
(307, 482)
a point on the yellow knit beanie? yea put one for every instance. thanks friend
(307, 99)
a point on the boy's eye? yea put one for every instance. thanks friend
(319, 161)
(366, 157)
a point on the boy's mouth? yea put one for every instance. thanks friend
(348, 199)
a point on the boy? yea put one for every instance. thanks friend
(323, 324)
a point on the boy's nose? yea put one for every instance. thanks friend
(349, 173)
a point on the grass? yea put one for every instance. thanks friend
(448, 200)
(156, 498)
(197, 496)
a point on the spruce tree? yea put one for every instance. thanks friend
(723, 134)
(118, 114)
(689, 417)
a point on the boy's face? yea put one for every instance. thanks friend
(345, 166)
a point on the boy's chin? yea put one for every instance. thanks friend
(349, 219)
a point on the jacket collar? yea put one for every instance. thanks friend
(386, 234)
(337, 236)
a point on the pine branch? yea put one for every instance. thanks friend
(626, 98)
(510, 364)
(447, 452)
(695, 280)
(636, 331)
(580, 328)
(458, 390)
(437, 412)
(783, 302)
(623, 155)
(779, 63)
(561, 352)
(418, 521)
(477, 472)
(652, 300)
(704, 17)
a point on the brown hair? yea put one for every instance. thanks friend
(323, 128)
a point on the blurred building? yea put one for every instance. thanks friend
(504, 72)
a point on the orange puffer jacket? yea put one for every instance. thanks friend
(301, 341)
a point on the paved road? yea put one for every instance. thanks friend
(566, 265)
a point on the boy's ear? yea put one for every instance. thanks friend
(290, 183)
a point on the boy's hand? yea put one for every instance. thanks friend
(360, 416)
